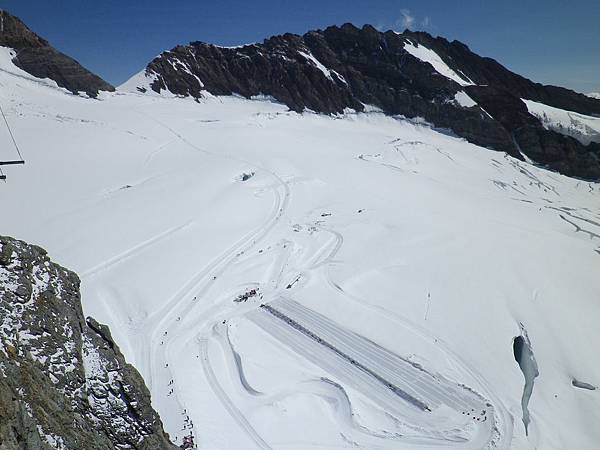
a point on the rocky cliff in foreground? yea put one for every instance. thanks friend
(64, 384)
(37, 57)
(348, 67)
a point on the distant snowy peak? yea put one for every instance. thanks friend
(594, 95)
(35, 56)
(410, 74)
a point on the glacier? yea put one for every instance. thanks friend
(411, 252)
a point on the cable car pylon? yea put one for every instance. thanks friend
(14, 161)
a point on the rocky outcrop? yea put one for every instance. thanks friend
(37, 57)
(348, 67)
(64, 384)
(488, 72)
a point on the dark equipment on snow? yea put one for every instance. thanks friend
(188, 442)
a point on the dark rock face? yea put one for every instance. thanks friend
(488, 72)
(37, 57)
(64, 384)
(347, 67)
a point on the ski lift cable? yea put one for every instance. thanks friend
(11, 134)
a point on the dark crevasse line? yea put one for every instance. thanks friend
(583, 385)
(524, 356)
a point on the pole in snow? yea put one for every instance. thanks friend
(428, 304)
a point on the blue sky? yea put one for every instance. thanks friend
(549, 41)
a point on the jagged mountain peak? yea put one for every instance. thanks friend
(412, 74)
(38, 58)
(15, 34)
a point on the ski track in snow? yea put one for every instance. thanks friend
(233, 410)
(217, 268)
(132, 251)
(200, 284)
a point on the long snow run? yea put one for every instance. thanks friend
(411, 252)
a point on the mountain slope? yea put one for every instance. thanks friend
(64, 383)
(483, 71)
(410, 74)
(35, 56)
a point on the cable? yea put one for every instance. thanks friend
(11, 134)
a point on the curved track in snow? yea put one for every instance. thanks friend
(225, 400)
(386, 366)
(197, 287)
(503, 419)
(430, 408)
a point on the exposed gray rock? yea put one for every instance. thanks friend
(37, 57)
(359, 66)
(64, 384)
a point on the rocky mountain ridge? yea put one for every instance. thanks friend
(38, 58)
(329, 70)
(64, 383)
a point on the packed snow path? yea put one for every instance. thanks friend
(402, 247)
(416, 397)
(425, 427)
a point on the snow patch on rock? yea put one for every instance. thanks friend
(464, 100)
(584, 128)
(429, 56)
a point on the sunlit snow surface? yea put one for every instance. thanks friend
(463, 99)
(584, 128)
(429, 56)
(414, 254)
